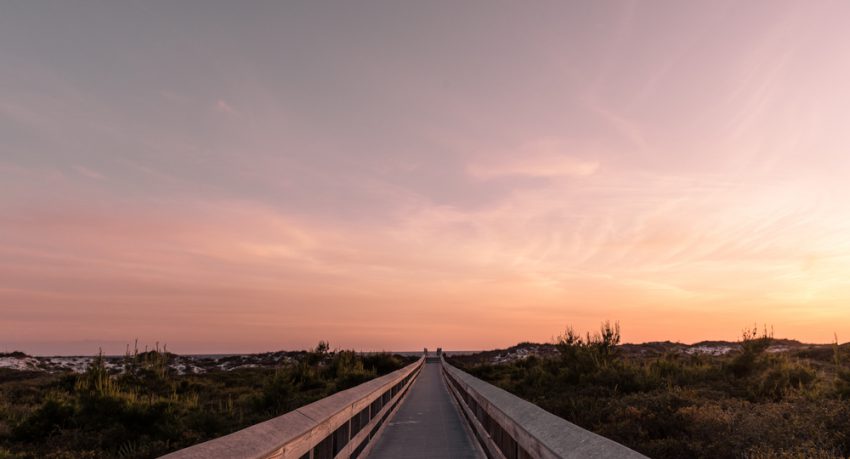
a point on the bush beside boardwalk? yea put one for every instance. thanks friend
(749, 403)
(148, 410)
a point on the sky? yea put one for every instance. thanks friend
(253, 176)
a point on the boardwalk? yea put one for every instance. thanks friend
(427, 425)
(404, 416)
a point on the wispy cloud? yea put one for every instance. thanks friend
(88, 172)
(222, 106)
(539, 158)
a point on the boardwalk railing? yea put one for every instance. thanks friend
(338, 426)
(509, 427)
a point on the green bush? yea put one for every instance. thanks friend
(750, 403)
(278, 393)
(148, 410)
(55, 414)
(781, 377)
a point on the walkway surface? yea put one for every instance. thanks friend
(427, 425)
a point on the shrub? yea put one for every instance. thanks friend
(147, 410)
(56, 413)
(753, 346)
(277, 394)
(781, 377)
(751, 403)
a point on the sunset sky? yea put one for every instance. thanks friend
(253, 176)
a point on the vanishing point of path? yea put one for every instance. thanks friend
(427, 425)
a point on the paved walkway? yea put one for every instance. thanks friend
(427, 425)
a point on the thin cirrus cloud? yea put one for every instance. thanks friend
(392, 177)
(542, 158)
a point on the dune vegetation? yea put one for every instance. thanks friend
(146, 409)
(759, 398)
(752, 402)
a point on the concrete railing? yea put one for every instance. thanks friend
(511, 428)
(337, 426)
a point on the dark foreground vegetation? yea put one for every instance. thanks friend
(752, 402)
(147, 409)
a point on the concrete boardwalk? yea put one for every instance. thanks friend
(427, 425)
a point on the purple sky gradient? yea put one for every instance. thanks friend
(229, 177)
